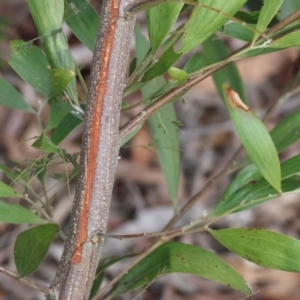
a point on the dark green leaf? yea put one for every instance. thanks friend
(56, 115)
(32, 65)
(17, 214)
(247, 17)
(84, 22)
(262, 247)
(32, 246)
(64, 128)
(165, 62)
(160, 20)
(215, 50)
(239, 31)
(182, 258)
(9, 97)
(255, 138)
(195, 63)
(206, 18)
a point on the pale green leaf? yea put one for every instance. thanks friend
(262, 247)
(45, 144)
(267, 13)
(160, 20)
(181, 258)
(287, 41)
(206, 18)
(7, 191)
(255, 138)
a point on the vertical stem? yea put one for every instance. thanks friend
(99, 155)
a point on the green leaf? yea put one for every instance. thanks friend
(249, 189)
(84, 22)
(247, 17)
(59, 79)
(56, 115)
(267, 13)
(215, 50)
(165, 62)
(206, 18)
(287, 132)
(9, 97)
(178, 75)
(7, 191)
(54, 40)
(182, 258)
(195, 63)
(160, 20)
(32, 246)
(262, 247)
(64, 128)
(32, 65)
(164, 132)
(17, 214)
(287, 41)
(255, 138)
(287, 8)
(45, 144)
(239, 31)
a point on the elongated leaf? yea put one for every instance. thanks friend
(54, 40)
(84, 22)
(9, 97)
(64, 128)
(255, 138)
(163, 129)
(287, 132)
(262, 247)
(32, 246)
(183, 258)
(32, 65)
(195, 63)
(287, 8)
(239, 31)
(17, 214)
(206, 18)
(7, 191)
(287, 41)
(164, 63)
(267, 13)
(249, 189)
(215, 50)
(247, 17)
(160, 20)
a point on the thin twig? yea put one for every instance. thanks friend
(29, 282)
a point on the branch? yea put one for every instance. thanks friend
(35, 285)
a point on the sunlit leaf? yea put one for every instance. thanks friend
(45, 144)
(262, 247)
(181, 258)
(59, 79)
(32, 246)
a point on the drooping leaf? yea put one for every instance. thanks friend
(182, 258)
(83, 20)
(17, 214)
(165, 62)
(9, 97)
(7, 191)
(160, 20)
(215, 50)
(255, 138)
(206, 18)
(32, 246)
(262, 247)
(267, 13)
(32, 65)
